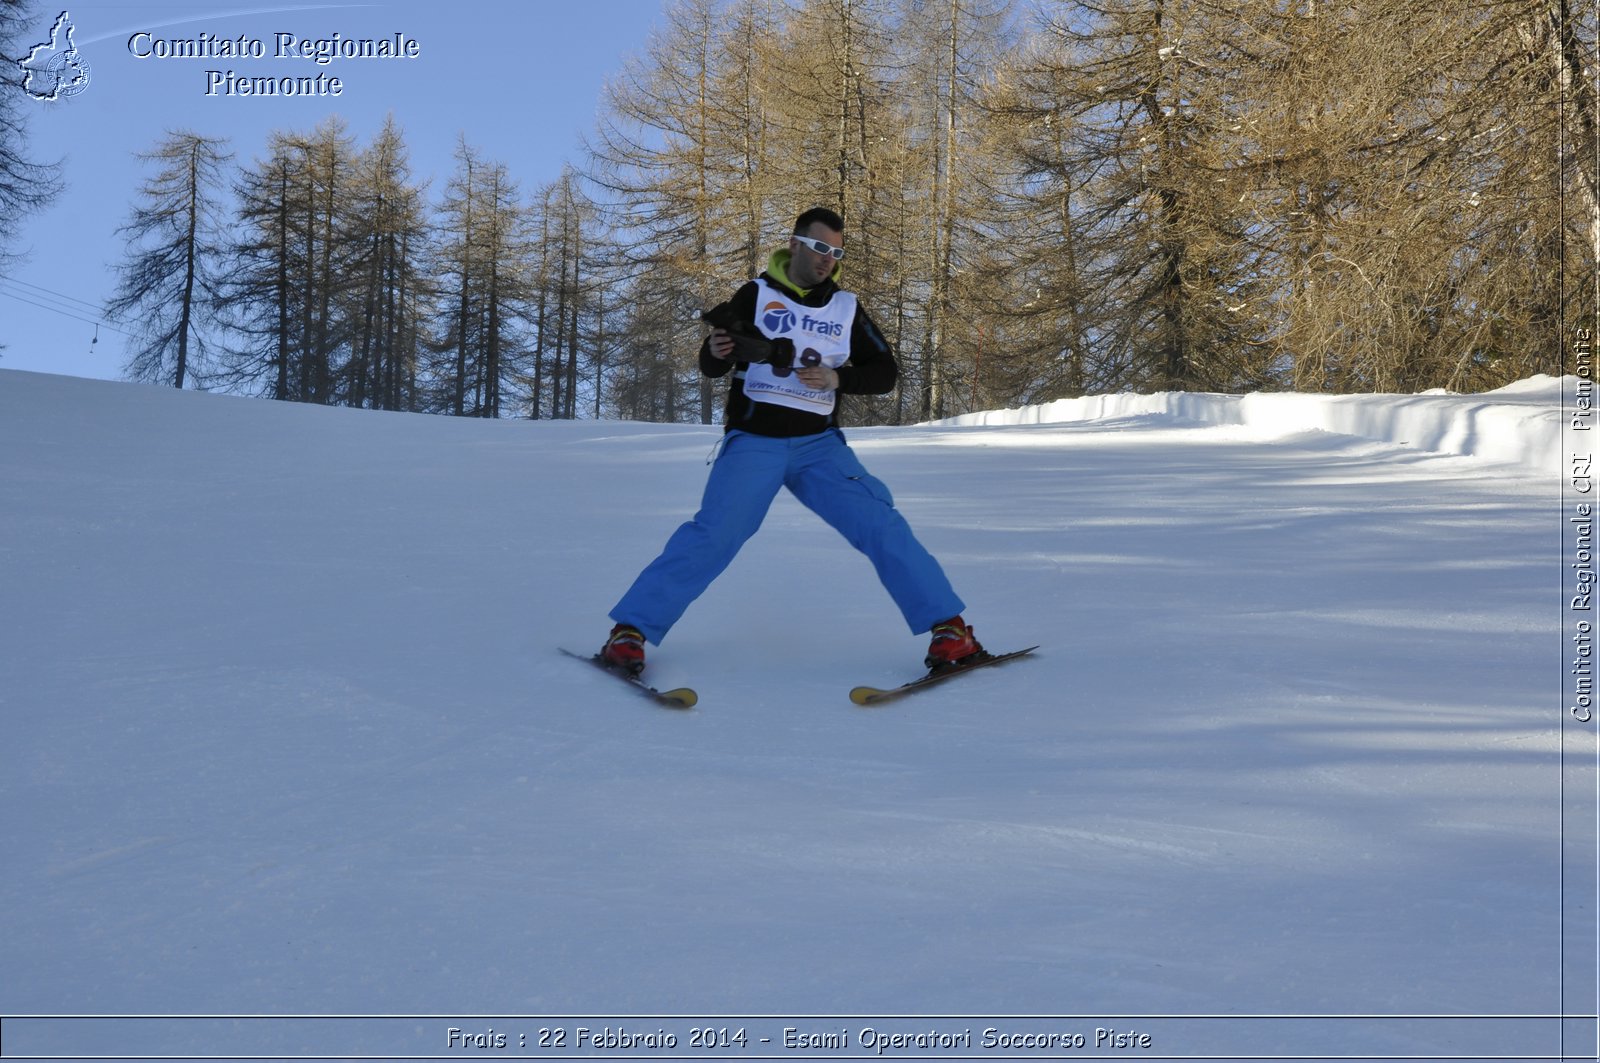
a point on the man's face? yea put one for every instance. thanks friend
(807, 267)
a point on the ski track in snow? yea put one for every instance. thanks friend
(287, 730)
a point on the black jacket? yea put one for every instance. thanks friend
(870, 369)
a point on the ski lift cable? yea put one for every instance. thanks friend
(11, 279)
(65, 312)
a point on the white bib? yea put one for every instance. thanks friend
(821, 336)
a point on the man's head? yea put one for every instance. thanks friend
(816, 247)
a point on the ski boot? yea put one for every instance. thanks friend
(624, 650)
(953, 644)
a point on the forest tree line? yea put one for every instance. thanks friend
(1041, 202)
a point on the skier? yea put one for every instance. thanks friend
(781, 430)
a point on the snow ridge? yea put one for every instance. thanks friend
(1518, 424)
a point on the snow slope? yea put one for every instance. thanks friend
(286, 733)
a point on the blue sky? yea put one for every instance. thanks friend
(521, 81)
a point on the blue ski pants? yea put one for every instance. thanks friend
(825, 475)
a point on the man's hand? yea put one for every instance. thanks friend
(721, 344)
(819, 378)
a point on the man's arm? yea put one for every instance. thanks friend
(872, 369)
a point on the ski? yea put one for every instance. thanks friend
(878, 695)
(678, 698)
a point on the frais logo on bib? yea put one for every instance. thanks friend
(776, 317)
(821, 328)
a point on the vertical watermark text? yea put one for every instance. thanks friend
(1579, 527)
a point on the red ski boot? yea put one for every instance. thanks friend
(624, 650)
(952, 644)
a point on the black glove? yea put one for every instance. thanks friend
(749, 344)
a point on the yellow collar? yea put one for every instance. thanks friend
(778, 269)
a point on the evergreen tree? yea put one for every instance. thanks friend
(485, 262)
(686, 157)
(169, 274)
(390, 236)
(26, 185)
(266, 279)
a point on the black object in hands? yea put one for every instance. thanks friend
(749, 344)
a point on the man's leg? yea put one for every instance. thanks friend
(743, 482)
(829, 479)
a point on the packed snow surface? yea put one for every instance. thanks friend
(286, 731)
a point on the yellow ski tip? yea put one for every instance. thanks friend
(682, 697)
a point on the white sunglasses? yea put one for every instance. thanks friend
(821, 248)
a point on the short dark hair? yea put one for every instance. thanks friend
(816, 214)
